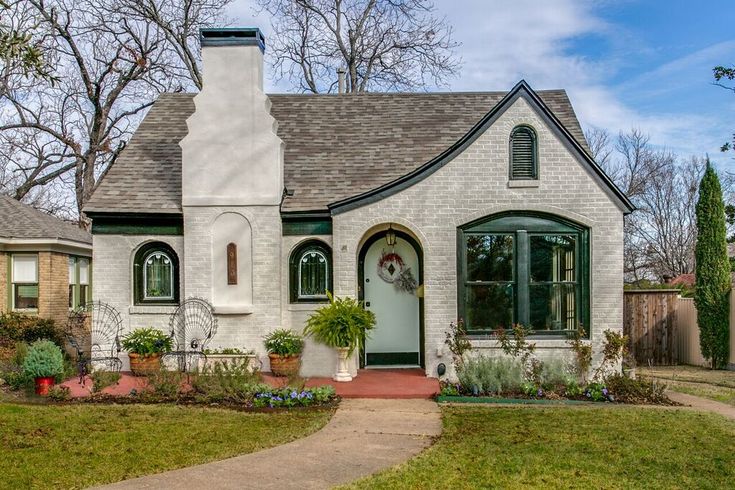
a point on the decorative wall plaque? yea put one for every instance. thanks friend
(231, 264)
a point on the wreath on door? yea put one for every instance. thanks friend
(392, 269)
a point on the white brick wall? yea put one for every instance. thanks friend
(238, 330)
(112, 279)
(473, 185)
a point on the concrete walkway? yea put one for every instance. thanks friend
(704, 404)
(364, 436)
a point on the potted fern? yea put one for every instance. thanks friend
(43, 363)
(145, 346)
(343, 324)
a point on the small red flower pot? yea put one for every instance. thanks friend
(43, 385)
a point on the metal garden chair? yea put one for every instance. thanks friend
(93, 330)
(193, 325)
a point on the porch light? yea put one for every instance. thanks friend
(390, 236)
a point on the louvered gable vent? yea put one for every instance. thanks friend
(523, 154)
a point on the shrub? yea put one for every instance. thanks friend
(457, 341)
(555, 375)
(59, 393)
(343, 323)
(147, 341)
(44, 359)
(582, 353)
(165, 384)
(15, 327)
(489, 375)
(231, 382)
(639, 391)
(103, 379)
(284, 342)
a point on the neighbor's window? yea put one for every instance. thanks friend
(523, 154)
(310, 272)
(524, 268)
(24, 282)
(79, 275)
(156, 274)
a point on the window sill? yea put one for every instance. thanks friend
(522, 183)
(26, 311)
(152, 309)
(306, 306)
(233, 309)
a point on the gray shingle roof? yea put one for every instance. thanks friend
(336, 146)
(21, 221)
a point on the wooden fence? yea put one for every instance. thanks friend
(663, 330)
(650, 322)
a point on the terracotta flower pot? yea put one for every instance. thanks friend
(284, 365)
(144, 365)
(43, 385)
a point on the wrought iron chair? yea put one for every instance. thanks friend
(192, 327)
(93, 331)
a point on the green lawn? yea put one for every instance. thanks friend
(75, 446)
(571, 447)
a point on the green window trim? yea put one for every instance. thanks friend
(524, 227)
(79, 294)
(144, 253)
(319, 250)
(31, 288)
(523, 153)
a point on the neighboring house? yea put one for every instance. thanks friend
(45, 267)
(429, 207)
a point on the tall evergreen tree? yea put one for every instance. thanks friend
(712, 294)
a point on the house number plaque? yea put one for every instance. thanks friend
(231, 264)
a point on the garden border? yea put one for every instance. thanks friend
(509, 401)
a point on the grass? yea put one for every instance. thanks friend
(697, 381)
(561, 447)
(75, 446)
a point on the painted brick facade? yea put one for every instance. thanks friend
(474, 185)
(243, 330)
(112, 279)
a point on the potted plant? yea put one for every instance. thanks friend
(145, 346)
(342, 324)
(43, 363)
(284, 351)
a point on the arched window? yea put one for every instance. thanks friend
(156, 274)
(527, 268)
(310, 272)
(523, 154)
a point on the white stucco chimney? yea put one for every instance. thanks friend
(231, 155)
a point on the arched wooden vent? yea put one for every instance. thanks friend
(231, 264)
(523, 155)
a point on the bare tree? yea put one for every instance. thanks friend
(179, 22)
(110, 69)
(392, 45)
(598, 140)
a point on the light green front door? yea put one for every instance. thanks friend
(395, 339)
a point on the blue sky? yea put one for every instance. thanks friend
(625, 63)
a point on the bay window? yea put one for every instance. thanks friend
(526, 268)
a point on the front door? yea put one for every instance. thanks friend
(391, 276)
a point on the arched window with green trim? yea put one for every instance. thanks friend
(310, 269)
(156, 274)
(527, 268)
(523, 153)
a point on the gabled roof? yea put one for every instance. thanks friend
(22, 222)
(336, 146)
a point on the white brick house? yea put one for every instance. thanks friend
(489, 201)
